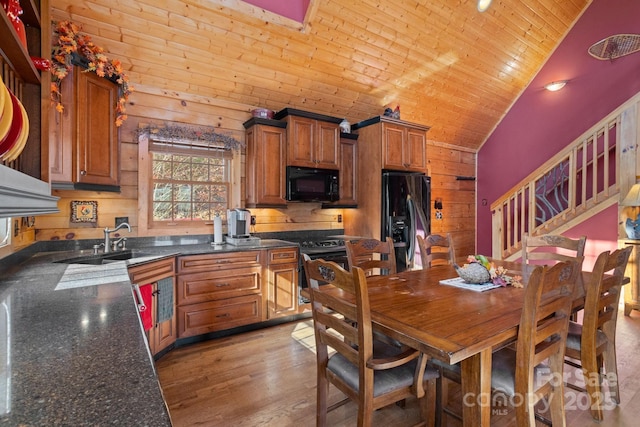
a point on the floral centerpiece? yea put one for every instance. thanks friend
(67, 41)
(480, 270)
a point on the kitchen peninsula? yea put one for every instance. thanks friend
(78, 356)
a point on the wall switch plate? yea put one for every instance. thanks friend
(253, 220)
(339, 218)
(121, 219)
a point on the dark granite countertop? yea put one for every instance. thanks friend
(77, 355)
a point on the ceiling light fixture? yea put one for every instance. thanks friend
(483, 5)
(554, 86)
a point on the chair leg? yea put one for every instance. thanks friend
(592, 379)
(322, 395)
(556, 406)
(611, 370)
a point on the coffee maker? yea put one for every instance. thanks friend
(238, 222)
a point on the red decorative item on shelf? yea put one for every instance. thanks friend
(41, 64)
(13, 10)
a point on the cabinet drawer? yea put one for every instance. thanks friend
(198, 319)
(201, 287)
(214, 262)
(152, 271)
(283, 256)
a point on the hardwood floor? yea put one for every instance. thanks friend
(268, 377)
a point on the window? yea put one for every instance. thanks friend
(189, 182)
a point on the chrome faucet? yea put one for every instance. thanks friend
(107, 236)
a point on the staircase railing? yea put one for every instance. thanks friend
(578, 182)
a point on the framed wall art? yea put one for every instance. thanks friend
(84, 211)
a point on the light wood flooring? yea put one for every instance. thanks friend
(268, 378)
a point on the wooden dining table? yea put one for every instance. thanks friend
(453, 324)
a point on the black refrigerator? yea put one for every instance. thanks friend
(406, 198)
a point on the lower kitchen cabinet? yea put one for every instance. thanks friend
(282, 282)
(162, 334)
(217, 315)
(219, 291)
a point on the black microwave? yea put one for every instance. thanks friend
(312, 185)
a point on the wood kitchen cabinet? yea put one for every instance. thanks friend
(282, 282)
(83, 139)
(402, 145)
(163, 334)
(348, 172)
(632, 289)
(219, 291)
(384, 144)
(312, 139)
(266, 162)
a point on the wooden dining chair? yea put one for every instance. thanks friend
(375, 257)
(443, 254)
(551, 248)
(371, 377)
(532, 369)
(592, 343)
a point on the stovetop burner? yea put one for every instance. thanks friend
(322, 243)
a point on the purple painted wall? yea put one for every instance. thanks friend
(541, 123)
(292, 9)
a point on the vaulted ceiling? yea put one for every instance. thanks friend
(447, 65)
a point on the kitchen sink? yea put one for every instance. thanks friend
(103, 258)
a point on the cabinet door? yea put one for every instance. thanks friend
(416, 150)
(97, 154)
(282, 286)
(393, 141)
(283, 290)
(327, 149)
(348, 173)
(301, 141)
(266, 161)
(165, 333)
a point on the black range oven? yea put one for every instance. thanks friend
(329, 250)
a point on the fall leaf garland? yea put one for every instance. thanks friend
(67, 41)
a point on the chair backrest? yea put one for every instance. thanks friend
(443, 254)
(569, 249)
(544, 322)
(373, 256)
(342, 320)
(603, 295)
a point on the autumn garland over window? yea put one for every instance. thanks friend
(68, 40)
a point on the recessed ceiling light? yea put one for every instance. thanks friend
(554, 86)
(483, 5)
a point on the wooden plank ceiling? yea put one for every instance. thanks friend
(447, 65)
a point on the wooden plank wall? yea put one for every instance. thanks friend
(445, 163)
(148, 105)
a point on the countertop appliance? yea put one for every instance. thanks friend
(238, 223)
(406, 198)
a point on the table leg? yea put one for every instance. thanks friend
(476, 389)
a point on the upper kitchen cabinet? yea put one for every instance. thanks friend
(312, 139)
(403, 145)
(83, 139)
(348, 172)
(266, 162)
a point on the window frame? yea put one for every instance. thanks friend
(148, 227)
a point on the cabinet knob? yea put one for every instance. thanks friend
(83, 172)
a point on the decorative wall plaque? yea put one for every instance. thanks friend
(84, 211)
